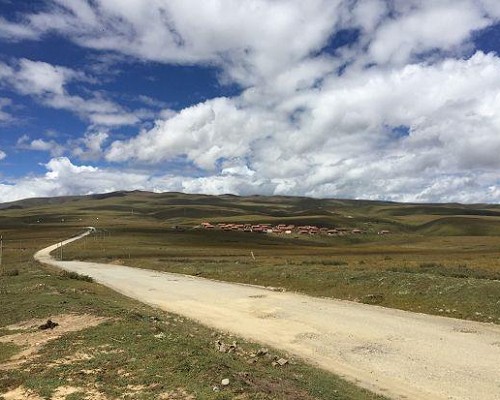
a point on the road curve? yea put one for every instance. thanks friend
(399, 354)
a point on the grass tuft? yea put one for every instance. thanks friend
(456, 271)
(11, 272)
(76, 276)
(7, 350)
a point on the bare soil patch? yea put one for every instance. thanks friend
(21, 393)
(60, 393)
(31, 339)
(177, 394)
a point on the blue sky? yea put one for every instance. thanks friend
(373, 99)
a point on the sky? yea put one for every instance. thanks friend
(393, 100)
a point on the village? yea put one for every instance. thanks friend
(284, 229)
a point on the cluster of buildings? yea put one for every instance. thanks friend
(283, 229)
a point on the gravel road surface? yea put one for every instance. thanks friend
(399, 354)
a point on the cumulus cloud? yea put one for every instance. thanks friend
(2, 155)
(188, 32)
(65, 178)
(344, 140)
(204, 133)
(191, 32)
(406, 110)
(418, 29)
(90, 146)
(48, 84)
(50, 146)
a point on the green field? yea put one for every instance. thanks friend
(437, 259)
(136, 352)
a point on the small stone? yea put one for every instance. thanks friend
(216, 389)
(221, 346)
(262, 352)
(232, 348)
(225, 382)
(282, 361)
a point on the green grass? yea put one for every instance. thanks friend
(155, 351)
(431, 292)
(7, 350)
(453, 276)
(455, 271)
(438, 259)
(77, 276)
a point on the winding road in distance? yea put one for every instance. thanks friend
(399, 354)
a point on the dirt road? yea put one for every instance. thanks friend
(395, 353)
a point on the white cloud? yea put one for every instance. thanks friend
(4, 115)
(90, 146)
(190, 32)
(40, 78)
(203, 133)
(48, 84)
(2, 155)
(51, 146)
(419, 29)
(341, 140)
(369, 14)
(420, 123)
(16, 31)
(42, 145)
(65, 178)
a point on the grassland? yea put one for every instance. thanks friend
(438, 259)
(436, 280)
(135, 352)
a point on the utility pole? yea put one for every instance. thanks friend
(3, 289)
(1, 252)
